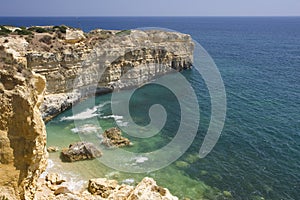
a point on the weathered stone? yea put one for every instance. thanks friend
(74, 36)
(102, 186)
(62, 190)
(80, 151)
(55, 178)
(148, 189)
(22, 132)
(52, 149)
(113, 138)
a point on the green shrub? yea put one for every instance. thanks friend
(38, 29)
(4, 31)
(23, 31)
(62, 29)
(124, 32)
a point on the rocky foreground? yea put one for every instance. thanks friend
(53, 186)
(49, 69)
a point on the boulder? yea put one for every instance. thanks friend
(102, 186)
(80, 151)
(113, 138)
(74, 36)
(52, 149)
(62, 190)
(148, 189)
(55, 179)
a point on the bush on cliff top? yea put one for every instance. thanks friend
(62, 29)
(23, 31)
(124, 32)
(38, 29)
(4, 31)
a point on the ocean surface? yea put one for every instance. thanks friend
(258, 153)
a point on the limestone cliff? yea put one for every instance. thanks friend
(78, 64)
(22, 133)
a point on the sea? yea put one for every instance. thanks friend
(258, 153)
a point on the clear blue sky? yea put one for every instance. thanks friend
(150, 8)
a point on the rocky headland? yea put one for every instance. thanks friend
(77, 64)
(45, 70)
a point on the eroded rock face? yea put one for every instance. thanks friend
(148, 189)
(77, 64)
(145, 190)
(103, 61)
(22, 132)
(102, 186)
(113, 138)
(80, 151)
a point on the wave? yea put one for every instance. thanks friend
(117, 118)
(86, 114)
(87, 128)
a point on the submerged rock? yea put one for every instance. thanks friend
(113, 138)
(182, 164)
(80, 151)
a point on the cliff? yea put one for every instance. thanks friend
(49, 69)
(77, 64)
(22, 133)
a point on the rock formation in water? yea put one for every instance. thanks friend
(80, 151)
(22, 133)
(113, 138)
(78, 64)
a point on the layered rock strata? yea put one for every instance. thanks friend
(77, 64)
(22, 133)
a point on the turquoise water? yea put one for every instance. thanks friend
(258, 154)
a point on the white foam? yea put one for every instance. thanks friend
(87, 128)
(87, 114)
(128, 181)
(74, 184)
(49, 166)
(141, 159)
(117, 118)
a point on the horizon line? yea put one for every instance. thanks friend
(158, 16)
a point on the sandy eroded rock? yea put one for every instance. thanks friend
(80, 151)
(113, 138)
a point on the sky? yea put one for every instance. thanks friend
(150, 8)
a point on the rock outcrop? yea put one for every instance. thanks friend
(22, 133)
(102, 188)
(80, 151)
(146, 189)
(113, 138)
(77, 64)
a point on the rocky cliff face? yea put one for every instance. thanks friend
(78, 64)
(22, 133)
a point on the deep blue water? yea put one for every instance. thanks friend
(258, 154)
